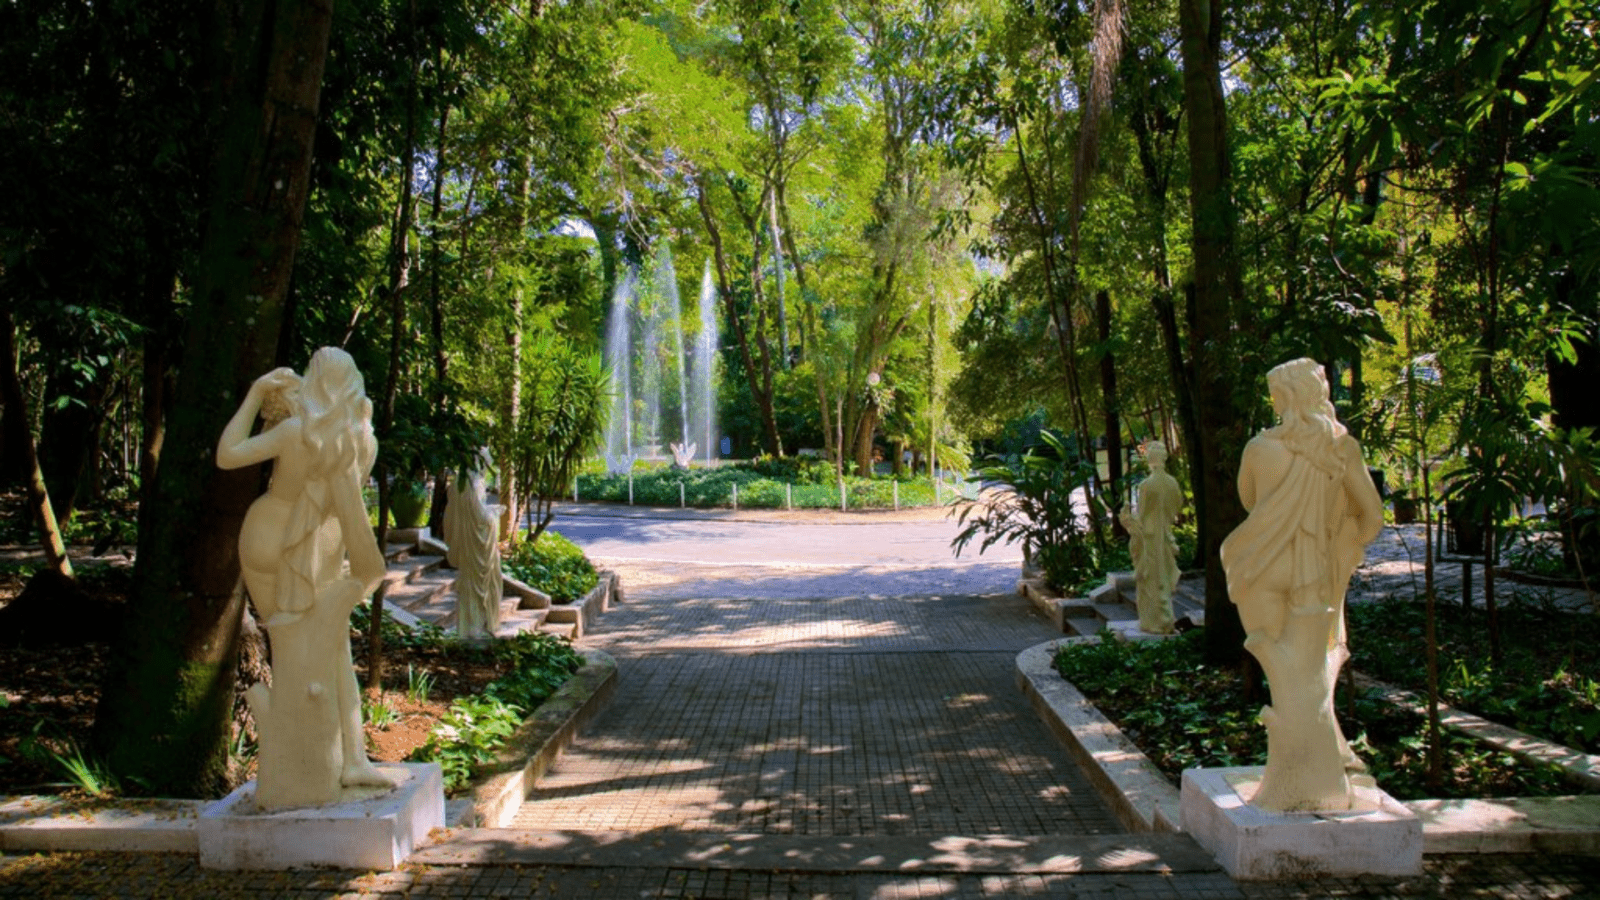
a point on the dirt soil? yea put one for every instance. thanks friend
(48, 697)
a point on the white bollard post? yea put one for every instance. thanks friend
(574, 490)
(896, 496)
(844, 504)
(788, 495)
(630, 488)
(736, 496)
(681, 503)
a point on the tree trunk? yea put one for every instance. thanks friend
(69, 438)
(755, 377)
(44, 516)
(166, 704)
(1222, 424)
(1113, 412)
(399, 286)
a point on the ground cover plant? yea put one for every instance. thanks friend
(553, 564)
(1547, 682)
(761, 484)
(1183, 713)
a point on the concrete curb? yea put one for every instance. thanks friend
(139, 826)
(581, 613)
(503, 783)
(1143, 799)
(1130, 784)
(1582, 769)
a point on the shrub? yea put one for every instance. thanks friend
(554, 565)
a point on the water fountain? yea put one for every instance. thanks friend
(703, 414)
(649, 363)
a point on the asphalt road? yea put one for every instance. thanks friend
(787, 554)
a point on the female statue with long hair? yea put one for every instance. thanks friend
(292, 548)
(1312, 511)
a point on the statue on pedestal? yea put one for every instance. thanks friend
(472, 536)
(1150, 541)
(1312, 511)
(292, 549)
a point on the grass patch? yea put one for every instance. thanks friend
(1183, 714)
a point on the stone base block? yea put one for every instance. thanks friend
(374, 833)
(1256, 845)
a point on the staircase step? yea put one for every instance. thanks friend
(1083, 626)
(1115, 612)
(518, 621)
(422, 593)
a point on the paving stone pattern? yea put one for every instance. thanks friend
(818, 742)
(95, 875)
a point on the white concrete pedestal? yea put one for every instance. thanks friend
(1256, 845)
(374, 833)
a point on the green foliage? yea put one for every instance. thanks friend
(811, 484)
(554, 565)
(379, 713)
(426, 635)
(419, 684)
(1545, 684)
(474, 728)
(1184, 713)
(537, 665)
(467, 736)
(1027, 499)
(562, 421)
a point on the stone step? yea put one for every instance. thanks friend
(411, 568)
(429, 592)
(1082, 626)
(927, 855)
(1115, 612)
(518, 621)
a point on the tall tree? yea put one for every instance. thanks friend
(164, 715)
(1218, 320)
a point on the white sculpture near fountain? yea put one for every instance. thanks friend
(1150, 542)
(682, 456)
(1312, 511)
(294, 542)
(472, 539)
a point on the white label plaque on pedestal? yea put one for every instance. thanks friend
(1255, 845)
(377, 832)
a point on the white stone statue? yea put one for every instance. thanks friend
(682, 455)
(1312, 512)
(292, 549)
(1150, 541)
(472, 536)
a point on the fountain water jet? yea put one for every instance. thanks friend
(648, 357)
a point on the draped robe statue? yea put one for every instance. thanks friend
(1312, 511)
(1150, 542)
(472, 534)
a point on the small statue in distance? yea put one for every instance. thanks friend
(1312, 511)
(472, 536)
(292, 547)
(1150, 542)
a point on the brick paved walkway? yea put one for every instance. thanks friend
(844, 716)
